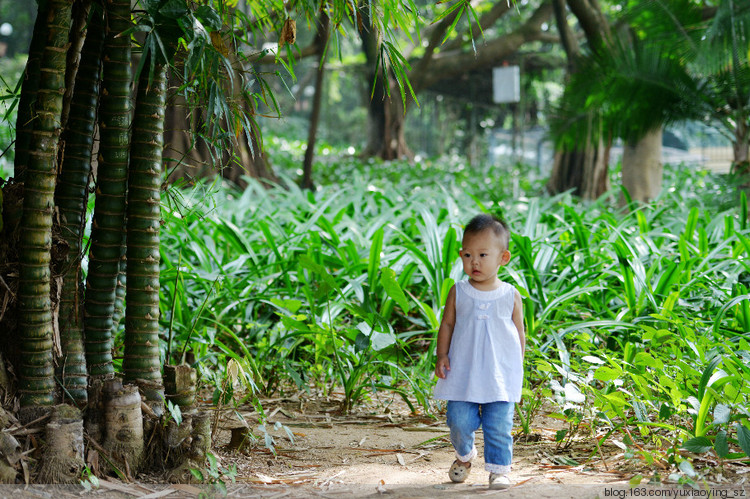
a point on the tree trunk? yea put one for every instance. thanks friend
(37, 382)
(642, 167)
(109, 210)
(143, 223)
(385, 113)
(79, 21)
(321, 42)
(188, 157)
(71, 197)
(27, 100)
(582, 168)
(740, 144)
(592, 21)
(386, 120)
(567, 37)
(245, 158)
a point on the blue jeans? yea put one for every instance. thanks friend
(496, 420)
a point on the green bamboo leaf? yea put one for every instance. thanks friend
(393, 289)
(296, 377)
(270, 238)
(743, 210)
(702, 241)
(288, 304)
(640, 411)
(458, 14)
(459, 4)
(524, 249)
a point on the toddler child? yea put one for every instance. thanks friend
(480, 349)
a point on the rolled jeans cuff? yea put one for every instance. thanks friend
(468, 457)
(500, 469)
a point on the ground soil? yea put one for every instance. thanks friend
(383, 449)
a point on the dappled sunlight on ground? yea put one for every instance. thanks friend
(377, 450)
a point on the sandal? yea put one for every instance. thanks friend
(499, 482)
(459, 471)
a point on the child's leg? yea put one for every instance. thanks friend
(463, 421)
(497, 424)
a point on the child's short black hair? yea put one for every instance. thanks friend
(485, 221)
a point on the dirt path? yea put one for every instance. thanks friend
(393, 454)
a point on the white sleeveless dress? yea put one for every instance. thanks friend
(485, 351)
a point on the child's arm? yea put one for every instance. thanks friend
(518, 321)
(445, 333)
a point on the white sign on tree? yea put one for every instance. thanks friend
(506, 84)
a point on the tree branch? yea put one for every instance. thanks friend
(308, 51)
(452, 63)
(487, 20)
(592, 21)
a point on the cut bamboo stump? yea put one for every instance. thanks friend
(188, 443)
(240, 438)
(180, 385)
(123, 428)
(62, 461)
(10, 451)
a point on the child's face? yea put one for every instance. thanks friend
(483, 254)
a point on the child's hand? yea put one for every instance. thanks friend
(443, 365)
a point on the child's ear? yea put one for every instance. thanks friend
(505, 257)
